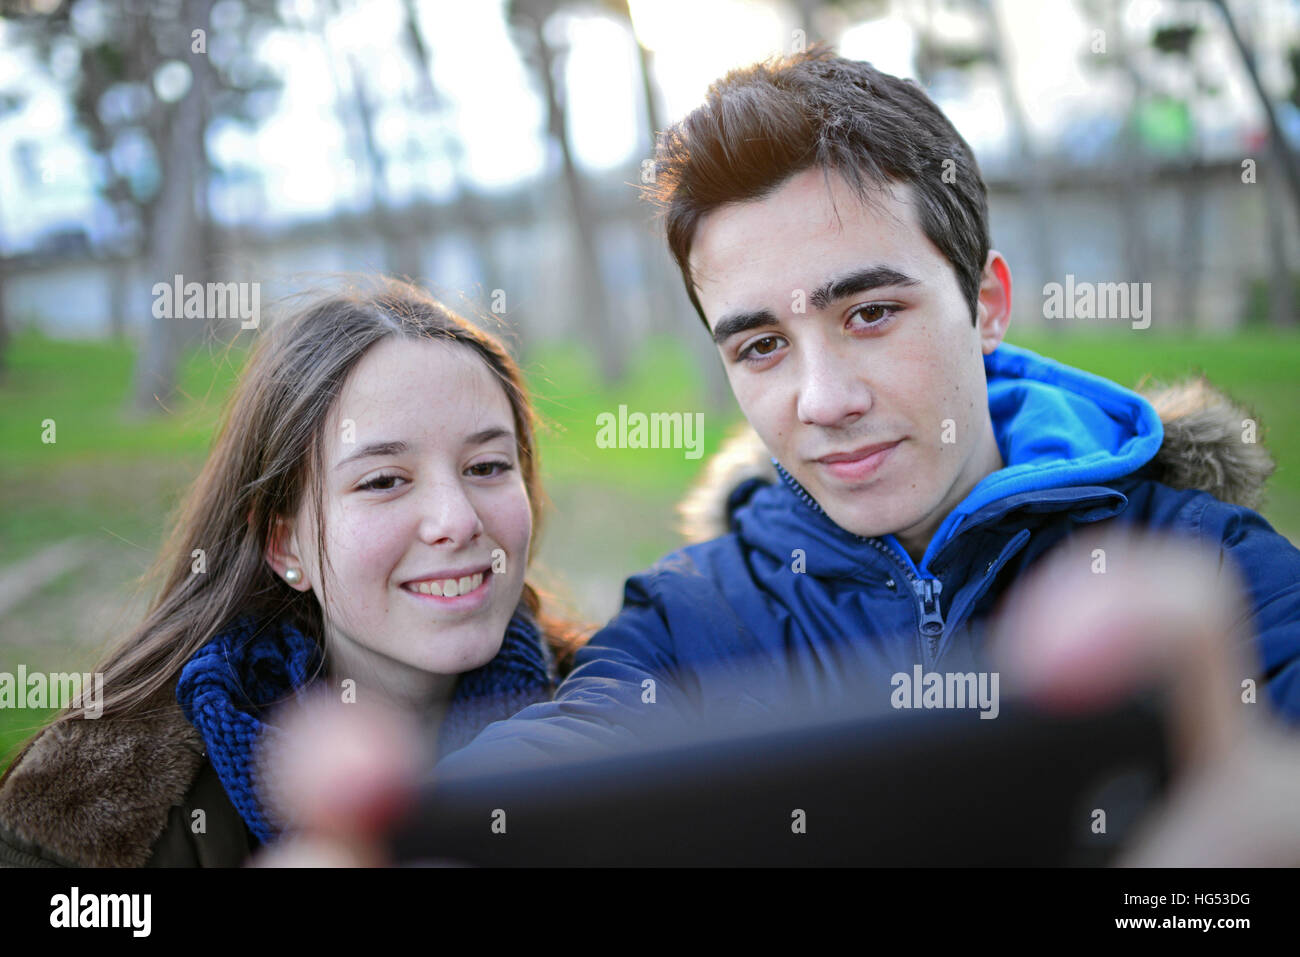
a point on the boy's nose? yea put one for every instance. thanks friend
(831, 395)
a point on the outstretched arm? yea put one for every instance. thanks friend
(623, 688)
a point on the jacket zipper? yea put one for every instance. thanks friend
(927, 590)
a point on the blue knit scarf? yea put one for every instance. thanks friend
(227, 685)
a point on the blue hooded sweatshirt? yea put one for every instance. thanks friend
(788, 609)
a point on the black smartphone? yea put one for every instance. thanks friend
(939, 788)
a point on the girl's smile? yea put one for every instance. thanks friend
(455, 591)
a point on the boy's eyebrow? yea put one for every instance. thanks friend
(737, 322)
(837, 287)
(859, 280)
(397, 447)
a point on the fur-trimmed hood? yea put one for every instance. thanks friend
(1202, 449)
(98, 793)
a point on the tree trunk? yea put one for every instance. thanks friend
(4, 315)
(1189, 254)
(173, 246)
(1034, 171)
(118, 297)
(1281, 299)
(4, 321)
(1133, 175)
(597, 317)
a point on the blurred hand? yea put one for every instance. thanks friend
(1164, 611)
(338, 776)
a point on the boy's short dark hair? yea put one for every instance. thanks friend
(762, 124)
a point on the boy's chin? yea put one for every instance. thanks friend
(874, 522)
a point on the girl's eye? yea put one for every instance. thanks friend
(489, 469)
(760, 349)
(876, 315)
(380, 483)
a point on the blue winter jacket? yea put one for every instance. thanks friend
(728, 628)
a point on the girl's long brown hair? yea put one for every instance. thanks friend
(268, 454)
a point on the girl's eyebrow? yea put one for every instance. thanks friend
(397, 447)
(374, 448)
(488, 434)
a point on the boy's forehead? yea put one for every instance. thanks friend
(814, 201)
(812, 224)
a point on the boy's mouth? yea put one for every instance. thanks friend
(858, 464)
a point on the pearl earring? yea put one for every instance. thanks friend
(292, 576)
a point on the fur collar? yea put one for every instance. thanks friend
(97, 793)
(1202, 450)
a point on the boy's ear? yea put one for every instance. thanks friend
(283, 556)
(993, 312)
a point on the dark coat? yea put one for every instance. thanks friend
(119, 793)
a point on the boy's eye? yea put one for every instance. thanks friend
(876, 314)
(760, 348)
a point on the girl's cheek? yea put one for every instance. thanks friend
(364, 540)
(511, 520)
(362, 551)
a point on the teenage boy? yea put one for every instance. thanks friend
(831, 227)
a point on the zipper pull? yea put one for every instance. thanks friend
(931, 617)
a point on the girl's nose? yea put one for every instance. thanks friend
(450, 517)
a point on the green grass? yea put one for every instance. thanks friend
(108, 470)
(1258, 368)
(83, 388)
(16, 726)
(113, 474)
(568, 400)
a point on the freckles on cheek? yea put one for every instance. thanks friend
(361, 544)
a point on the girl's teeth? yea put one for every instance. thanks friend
(450, 587)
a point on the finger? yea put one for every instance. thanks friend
(302, 851)
(1239, 813)
(339, 775)
(1109, 614)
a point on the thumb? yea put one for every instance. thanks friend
(1108, 614)
(338, 776)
